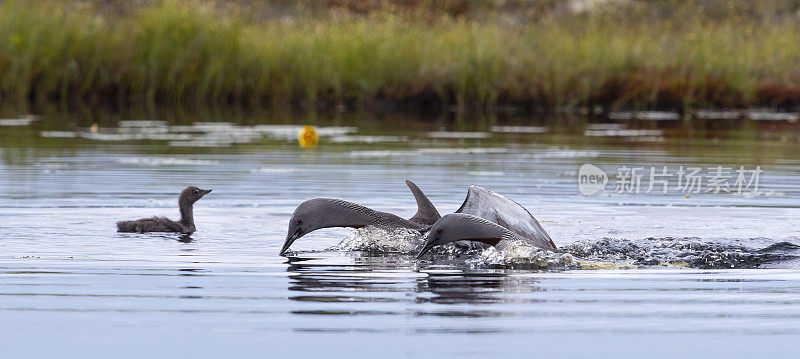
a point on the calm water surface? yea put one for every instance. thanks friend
(71, 286)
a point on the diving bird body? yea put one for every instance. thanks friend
(319, 213)
(487, 204)
(426, 211)
(490, 218)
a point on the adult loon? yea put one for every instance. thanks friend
(321, 213)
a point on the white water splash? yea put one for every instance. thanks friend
(376, 239)
(688, 252)
(510, 254)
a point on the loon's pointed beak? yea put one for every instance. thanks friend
(206, 191)
(430, 243)
(290, 239)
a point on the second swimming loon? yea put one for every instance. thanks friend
(460, 227)
(489, 218)
(185, 225)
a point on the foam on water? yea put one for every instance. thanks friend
(166, 161)
(560, 153)
(688, 252)
(143, 123)
(459, 135)
(589, 254)
(766, 115)
(401, 240)
(429, 151)
(519, 129)
(464, 150)
(367, 139)
(201, 134)
(273, 170)
(506, 255)
(645, 115)
(487, 173)
(22, 121)
(521, 256)
(623, 133)
(717, 115)
(376, 239)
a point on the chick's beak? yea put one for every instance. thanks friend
(206, 191)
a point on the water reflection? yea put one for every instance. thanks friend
(477, 287)
(364, 278)
(354, 281)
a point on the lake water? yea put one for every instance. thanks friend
(711, 274)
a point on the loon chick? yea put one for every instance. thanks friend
(321, 213)
(461, 226)
(186, 199)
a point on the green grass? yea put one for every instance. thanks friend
(165, 52)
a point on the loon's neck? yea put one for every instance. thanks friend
(341, 213)
(389, 219)
(187, 214)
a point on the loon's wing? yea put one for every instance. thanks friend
(485, 203)
(426, 212)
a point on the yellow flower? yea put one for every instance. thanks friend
(308, 137)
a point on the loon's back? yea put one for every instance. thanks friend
(153, 224)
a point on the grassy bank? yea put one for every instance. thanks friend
(202, 53)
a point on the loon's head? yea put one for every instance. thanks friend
(192, 194)
(321, 213)
(459, 227)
